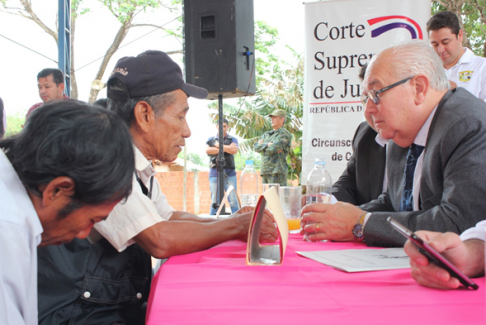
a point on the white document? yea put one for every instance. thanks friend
(360, 260)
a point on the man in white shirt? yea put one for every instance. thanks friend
(466, 252)
(55, 188)
(406, 92)
(113, 280)
(461, 65)
(154, 105)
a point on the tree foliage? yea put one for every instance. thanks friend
(14, 123)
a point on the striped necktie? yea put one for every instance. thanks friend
(406, 204)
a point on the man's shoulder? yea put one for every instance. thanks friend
(210, 141)
(460, 106)
(232, 138)
(283, 132)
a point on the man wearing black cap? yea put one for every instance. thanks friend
(150, 95)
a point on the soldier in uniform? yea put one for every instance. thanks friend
(275, 146)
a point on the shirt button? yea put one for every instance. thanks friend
(139, 295)
(87, 294)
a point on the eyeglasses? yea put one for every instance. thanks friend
(373, 94)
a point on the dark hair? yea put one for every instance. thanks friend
(224, 121)
(69, 138)
(362, 71)
(124, 109)
(57, 75)
(444, 19)
(102, 102)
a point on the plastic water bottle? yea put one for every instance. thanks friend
(318, 187)
(319, 184)
(249, 185)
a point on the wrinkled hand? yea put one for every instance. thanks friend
(321, 221)
(451, 246)
(216, 144)
(268, 233)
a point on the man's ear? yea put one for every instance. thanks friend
(421, 88)
(144, 115)
(56, 191)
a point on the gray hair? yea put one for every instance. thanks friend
(125, 109)
(417, 57)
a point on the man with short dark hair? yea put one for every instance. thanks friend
(51, 87)
(230, 148)
(274, 147)
(112, 281)
(54, 188)
(461, 65)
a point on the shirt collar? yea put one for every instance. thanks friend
(217, 136)
(466, 57)
(381, 140)
(421, 138)
(143, 166)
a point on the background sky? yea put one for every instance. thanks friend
(95, 32)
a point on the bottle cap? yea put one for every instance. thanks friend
(249, 162)
(319, 161)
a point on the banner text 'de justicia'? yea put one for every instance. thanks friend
(323, 32)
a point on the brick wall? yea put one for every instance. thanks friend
(197, 189)
(198, 193)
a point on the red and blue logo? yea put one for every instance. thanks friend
(386, 23)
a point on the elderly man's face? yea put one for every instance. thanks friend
(48, 90)
(394, 116)
(171, 129)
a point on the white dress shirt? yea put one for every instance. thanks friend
(477, 232)
(20, 235)
(470, 73)
(138, 212)
(383, 142)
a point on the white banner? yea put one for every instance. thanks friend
(341, 37)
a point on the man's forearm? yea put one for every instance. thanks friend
(169, 238)
(186, 216)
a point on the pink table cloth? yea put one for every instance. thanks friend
(216, 287)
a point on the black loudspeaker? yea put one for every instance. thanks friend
(220, 46)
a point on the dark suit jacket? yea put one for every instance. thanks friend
(362, 181)
(453, 183)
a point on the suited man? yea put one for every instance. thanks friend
(441, 188)
(363, 178)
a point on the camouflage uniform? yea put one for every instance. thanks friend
(274, 156)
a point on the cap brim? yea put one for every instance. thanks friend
(194, 91)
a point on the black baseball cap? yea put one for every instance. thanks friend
(147, 74)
